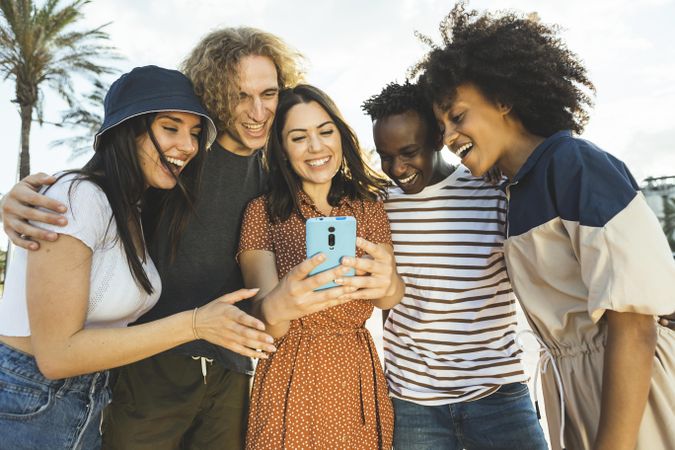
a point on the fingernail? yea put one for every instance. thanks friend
(338, 281)
(347, 260)
(61, 220)
(61, 209)
(346, 270)
(271, 348)
(33, 246)
(320, 257)
(52, 236)
(352, 288)
(269, 339)
(254, 289)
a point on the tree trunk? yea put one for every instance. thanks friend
(26, 112)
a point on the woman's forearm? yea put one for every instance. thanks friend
(264, 310)
(629, 357)
(92, 350)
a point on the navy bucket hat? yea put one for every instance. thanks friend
(151, 89)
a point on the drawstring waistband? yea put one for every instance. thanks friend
(546, 357)
(203, 361)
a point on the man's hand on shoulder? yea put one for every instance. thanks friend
(21, 205)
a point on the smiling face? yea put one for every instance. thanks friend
(258, 98)
(407, 154)
(477, 130)
(177, 134)
(313, 146)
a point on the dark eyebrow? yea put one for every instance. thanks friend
(266, 91)
(456, 105)
(409, 148)
(328, 122)
(177, 119)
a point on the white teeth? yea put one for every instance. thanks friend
(177, 162)
(318, 162)
(407, 180)
(463, 150)
(253, 126)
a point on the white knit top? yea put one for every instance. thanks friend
(115, 299)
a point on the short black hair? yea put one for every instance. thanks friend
(400, 98)
(514, 60)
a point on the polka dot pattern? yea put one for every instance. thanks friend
(324, 387)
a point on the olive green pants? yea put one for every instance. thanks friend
(163, 403)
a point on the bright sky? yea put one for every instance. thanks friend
(355, 47)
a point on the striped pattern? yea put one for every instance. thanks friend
(451, 338)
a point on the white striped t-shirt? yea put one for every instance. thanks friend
(451, 339)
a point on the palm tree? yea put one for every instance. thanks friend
(37, 46)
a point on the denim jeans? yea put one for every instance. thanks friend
(37, 413)
(504, 420)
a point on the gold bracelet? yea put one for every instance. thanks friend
(194, 324)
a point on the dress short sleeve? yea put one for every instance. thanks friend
(377, 222)
(88, 211)
(256, 228)
(624, 257)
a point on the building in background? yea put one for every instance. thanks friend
(660, 195)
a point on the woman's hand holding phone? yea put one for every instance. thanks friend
(295, 295)
(376, 276)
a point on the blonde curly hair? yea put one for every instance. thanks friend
(213, 67)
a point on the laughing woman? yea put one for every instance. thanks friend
(64, 315)
(585, 254)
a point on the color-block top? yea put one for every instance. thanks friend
(451, 339)
(115, 299)
(581, 240)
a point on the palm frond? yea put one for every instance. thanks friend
(39, 47)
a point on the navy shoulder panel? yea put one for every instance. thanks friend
(574, 180)
(590, 186)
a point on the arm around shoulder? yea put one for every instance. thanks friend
(21, 204)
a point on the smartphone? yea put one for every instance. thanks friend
(335, 237)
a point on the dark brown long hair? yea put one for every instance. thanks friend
(115, 168)
(355, 180)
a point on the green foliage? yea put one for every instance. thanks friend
(669, 220)
(3, 263)
(86, 115)
(38, 47)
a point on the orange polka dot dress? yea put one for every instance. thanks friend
(324, 387)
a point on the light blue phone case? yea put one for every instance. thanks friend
(318, 231)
